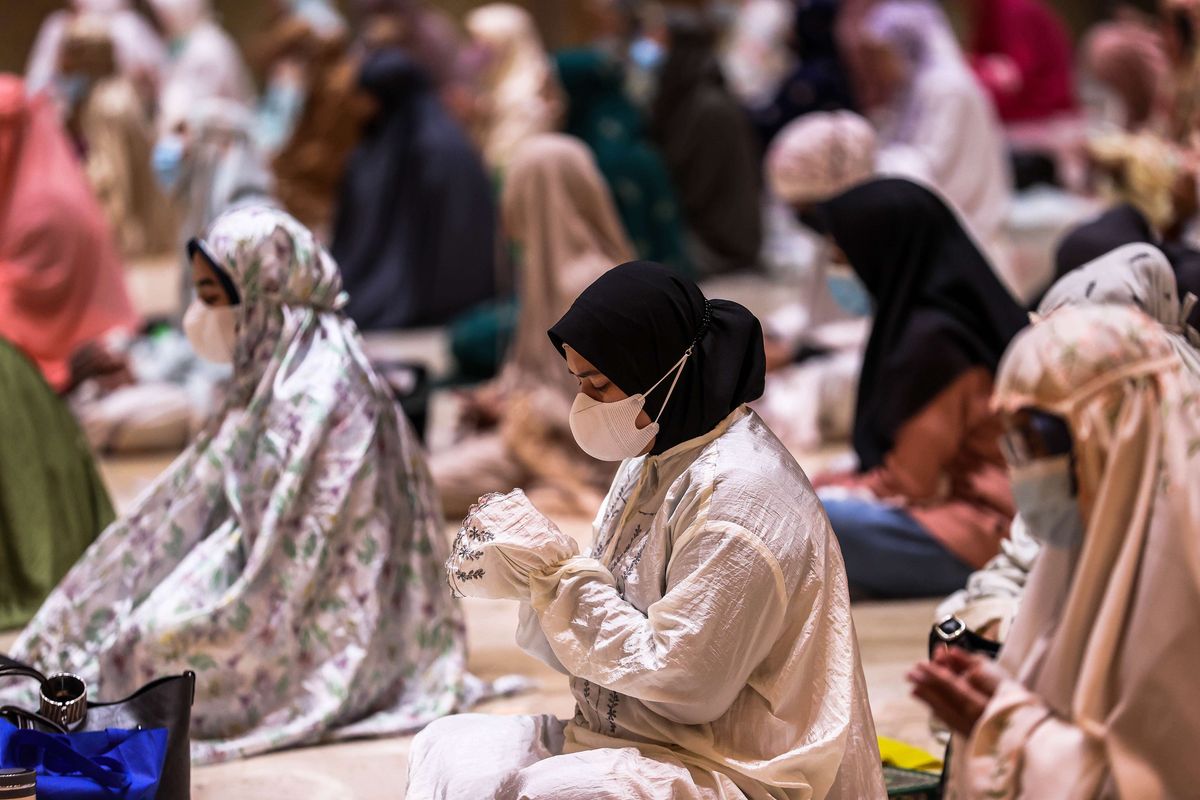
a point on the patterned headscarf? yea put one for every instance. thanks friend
(820, 156)
(1096, 642)
(292, 555)
(285, 278)
(1137, 275)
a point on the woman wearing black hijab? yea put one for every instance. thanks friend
(713, 598)
(818, 82)
(415, 229)
(636, 323)
(710, 149)
(931, 499)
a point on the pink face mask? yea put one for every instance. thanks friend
(609, 431)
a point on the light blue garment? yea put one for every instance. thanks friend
(321, 15)
(167, 161)
(850, 294)
(646, 54)
(278, 113)
(72, 88)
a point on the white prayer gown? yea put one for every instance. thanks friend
(1101, 696)
(708, 640)
(207, 64)
(941, 128)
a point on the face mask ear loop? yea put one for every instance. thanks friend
(679, 365)
(678, 369)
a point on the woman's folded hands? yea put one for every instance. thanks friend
(502, 542)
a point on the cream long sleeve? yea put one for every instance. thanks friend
(693, 651)
(711, 623)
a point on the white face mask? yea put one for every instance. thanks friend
(609, 431)
(1045, 496)
(212, 330)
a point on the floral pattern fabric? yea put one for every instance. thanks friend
(1102, 669)
(292, 556)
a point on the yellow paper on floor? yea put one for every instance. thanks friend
(905, 756)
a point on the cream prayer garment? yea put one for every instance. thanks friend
(707, 637)
(1105, 650)
(1136, 275)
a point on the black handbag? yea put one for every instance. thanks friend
(163, 703)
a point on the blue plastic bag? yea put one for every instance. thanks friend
(101, 765)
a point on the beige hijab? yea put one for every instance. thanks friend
(119, 138)
(558, 209)
(520, 94)
(1105, 648)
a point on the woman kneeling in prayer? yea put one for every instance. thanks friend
(707, 636)
(292, 555)
(1094, 693)
(929, 501)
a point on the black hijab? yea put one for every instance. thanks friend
(940, 309)
(708, 144)
(1119, 226)
(637, 320)
(415, 228)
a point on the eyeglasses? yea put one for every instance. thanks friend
(1035, 435)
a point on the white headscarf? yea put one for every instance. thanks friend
(940, 128)
(222, 165)
(206, 63)
(758, 56)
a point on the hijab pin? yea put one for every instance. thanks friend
(703, 327)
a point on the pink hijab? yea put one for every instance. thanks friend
(1031, 42)
(1129, 57)
(61, 283)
